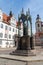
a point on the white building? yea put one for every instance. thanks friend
(39, 31)
(7, 30)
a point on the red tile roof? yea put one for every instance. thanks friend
(39, 33)
(18, 23)
(6, 18)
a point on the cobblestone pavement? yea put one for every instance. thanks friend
(6, 50)
(32, 60)
(38, 50)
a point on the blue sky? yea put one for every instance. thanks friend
(36, 7)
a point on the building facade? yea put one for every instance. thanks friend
(8, 29)
(39, 31)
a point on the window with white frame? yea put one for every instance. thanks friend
(6, 27)
(1, 25)
(9, 28)
(9, 36)
(13, 29)
(13, 37)
(5, 35)
(0, 42)
(0, 17)
(1, 35)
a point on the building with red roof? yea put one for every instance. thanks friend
(8, 29)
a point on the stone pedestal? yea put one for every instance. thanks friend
(20, 60)
(31, 43)
(24, 43)
(23, 48)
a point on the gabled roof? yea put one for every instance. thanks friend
(6, 18)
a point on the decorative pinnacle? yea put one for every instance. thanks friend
(10, 13)
(22, 12)
(28, 11)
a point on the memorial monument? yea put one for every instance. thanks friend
(25, 43)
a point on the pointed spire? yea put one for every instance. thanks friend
(10, 13)
(28, 11)
(22, 12)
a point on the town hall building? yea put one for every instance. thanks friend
(8, 28)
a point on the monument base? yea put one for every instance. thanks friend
(23, 53)
(23, 48)
(31, 43)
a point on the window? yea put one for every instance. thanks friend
(9, 28)
(7, 43)
(5, 35)
(1, 35)
(13, 37)
(1, 25)
(11, 43)
(13, 29)
(38, 25)
(16, 31)
(5, 27)
(10, 36)
(0, 41)
(0, 17)
(38, 30)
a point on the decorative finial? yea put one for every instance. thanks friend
(28, 11)
(38, 17)
(22, 12)
(10, 13)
